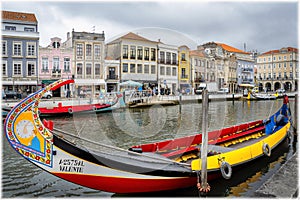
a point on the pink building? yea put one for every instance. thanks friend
(55, 62)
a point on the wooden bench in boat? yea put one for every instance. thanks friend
(237, 135)
(181, 152)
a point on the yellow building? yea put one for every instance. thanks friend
(184, 73)
(278, 69)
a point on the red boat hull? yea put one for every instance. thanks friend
(129, 185)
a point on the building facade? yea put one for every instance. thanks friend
(138, 58)
(20, 42)
(278, 69)
(224, 64)
(184, 73)
(198, 61)
(88, 62)
(55, 62)
(167, 67)
(112, 74)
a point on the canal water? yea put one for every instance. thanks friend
(126, 127)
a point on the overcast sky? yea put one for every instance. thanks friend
(263, 26)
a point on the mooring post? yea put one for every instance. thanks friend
(204, 145)
(295, 114)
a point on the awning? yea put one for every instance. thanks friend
(25, 82)
(246, 85)
(89, 82)
(48, 81)
(7, 82)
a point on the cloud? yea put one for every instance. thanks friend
(261, 25)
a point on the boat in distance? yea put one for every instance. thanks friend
(166, 165)
(76, 108)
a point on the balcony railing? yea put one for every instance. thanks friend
(184, 76)
(112, 77)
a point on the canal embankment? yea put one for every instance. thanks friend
(283, 183)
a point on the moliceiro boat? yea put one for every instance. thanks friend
(75, 106)
(159, 166)
(253, 96)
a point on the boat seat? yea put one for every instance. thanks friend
(234, 136)
(180, 152)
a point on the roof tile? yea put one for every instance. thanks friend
(18, 16)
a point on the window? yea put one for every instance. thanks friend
(79, 49)
(153, 71)
(125, 51)
(153, 54)
(67, 64)
(30, 49)
(44, 64)
(28, 29)
(269, 75)
(10, 28)
(174, 59)
(174, 71)
(284, 57)
(183, 73)
(88, 69)
(168, 71)
(284, 64)
(132, 52)
(17, 49)
(274, 66)
(168, 58)
(146, 54)
(139, 68)
(17, 69)
(279, 58)
(291, 75)
(274, 58)
(30, 69)
(97, 51)
(132, 68)
(125, 67)
(279, 75)
(97, 69)
(162, 56)
(88, 51)
(55, 45)
(279, 65)
(79, 69)
(4, 68)
(183, 56)
(55, 63)
(4, 48)
(162, 70)
(146, 69)
(274, 75)
(140, 53)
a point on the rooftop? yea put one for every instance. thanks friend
(231, 49)
(18, 16)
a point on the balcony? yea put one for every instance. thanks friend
(245, 81)
(247, 70)
(184, 76)
(56, 73)
(112, 77)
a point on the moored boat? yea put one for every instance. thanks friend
(77, 106)
(253, 96)
(159, 166)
